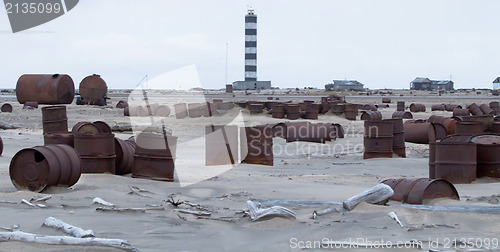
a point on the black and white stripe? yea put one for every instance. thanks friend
(250, 46)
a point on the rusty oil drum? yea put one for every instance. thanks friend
(154, 156)
(39, 167)
(337, 108)
(460, 112)
(386, 100)
(378, 139)
(417, 107)
(85, 128)
(351, 111)
(371, 107)
(486, 120)
(59, 138)
(97, 152)
(495, 127)
(312, 110)
(417, 191)
(398, 142)
(371, 115)
(45, 89)
(256, 108)
(402, 114)
(181, 111)
(92, 88)
(54, 119)
(438, 107)
(486, 109)
(488, 160)
(474, 109)
(102, 127)
(292, 111)
(124, 159)
(122, 104)
(400, 106)
(278, 111)
(257, 145)
(469, 127)
(6, 107)
(420, 133)
(457, 169)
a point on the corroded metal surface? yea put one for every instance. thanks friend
(417, 107)
(221, 144)
(432, 160)
(378, 140)
(474, 109)
(400, 106)
(278, 111)
(256, 108)
(6, 107)
(469, 127)
(438, 107)
(370, 107)
(460, 112)
(85, 128)
(417, 191)
(351, 111)
(92, 89)
(488, 158)
(292, 111)
(39, 167)
(486, 120)
(337, 108)
(124, 157)
(59, 138)
(312, 110)
(420, 133)
(398, 142)
(402, 114)
(30, 104)
(371, 115)
(103, 127)
(452, 167)
(257, 145)
(45, 88)
(495, 127)
(97, 152)
(54, 119)
(486, 109)
(154, 156)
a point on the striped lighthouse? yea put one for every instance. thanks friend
(251, 46)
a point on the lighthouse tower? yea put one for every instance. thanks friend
(251, 46)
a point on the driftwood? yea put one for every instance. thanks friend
(226, 219)
(396, 219)
(256, 212)
(135, 209)
(42, 199)
(67, 228)
(193, 212)
(375, 195)
(8, 202)
(138, 191)
(33, 205)
(315, 213)
(4, 125)
(121, 127)
(65, 240)
(295, 203)
(102, 202)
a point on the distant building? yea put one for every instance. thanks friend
(420, 83)
(251, 82)
(496, 83)
(344, 85)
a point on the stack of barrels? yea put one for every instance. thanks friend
(55, 126)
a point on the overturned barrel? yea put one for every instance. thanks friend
(488, 160)
(420, 133)
(59, 138)
(54, 119)
(154, 156)
(45, 88)
(474, 109)
(386, 100)
(39, 167)
(162, 111)
(438, 107)
(460, 112)
(417, 191)
(371, 115)
(402, 114)
(378, 139)
(6, 107)
(486, 109)
(124, 159)
(417, 107)
(371, 107)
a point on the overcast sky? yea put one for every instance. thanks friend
(383, 44)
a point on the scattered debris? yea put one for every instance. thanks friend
(136, 209)
(193, 212)
(138, 191)
(396, 219)
(378, 194)
(42, 199)
(256, 212)
(67, 228)
(226, 219)
(102, 202)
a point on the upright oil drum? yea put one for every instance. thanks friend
(39, 167)
(97, 152)
(292, 111)
(400, 106)
(457, 169)
(45, 88)
(257, 145)
(488, 158)
(398, 142)
(351, 111)
(278, 111)
(54, 119)
(154, 156)
(378, 140)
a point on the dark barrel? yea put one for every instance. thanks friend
(278, 111)
(292, 111)
(92, 89)
(400, 106)
(417, 107)
(154, 156)
(54, 119)
(402, 114)
(45, 88)
(488, 160)
(398, 142)
(257, 145)
(457, 169)
(351, 111)
(97, 152)
(371, 115)
(124, 160)
(378, 140)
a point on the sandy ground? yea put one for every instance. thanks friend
(333, 171)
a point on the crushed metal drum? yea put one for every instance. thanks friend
(457, 169)
(371, 115)
(402, 114)
(54, 119)
(97, 152)
(40, 167)
(378, 139)
(154, 156)
(45, 89)
(257, 145)
(488, 160)
(221, 144)
(417, 191)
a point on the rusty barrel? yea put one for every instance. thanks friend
(39, 167)
(378, 139)
(97, 152)
(278, 111)
(351, 111)
(400, 106)
(6, 107)
(451, 107)
(102, 127)
(371, 115)
(124, 159)
(241, 104)
(449, 125)
(475, 110)
(457, 169)
(59, 138)
(417, 191)
(432, 160)
(420, 133)
(85, 128)
(126, 111)
(45, 88)
(460, 112)
(417, 107)
(398, 142)
(312, 110)
(486, 109)
(386, 100)
(162, 110)
(122, 104)
(438, 107)
(154, 156)
(257, 145)
(54, 119)
(256, 108)
(325, 107)
(371, 107)
(485, 120)
(221, 144)
(92, 89)
(495, 127)
(195, 110)
(30, 104)
(292, 111)
(402, 114)
(494, 105)
(337, 108)
(488, 160)
(180, 110)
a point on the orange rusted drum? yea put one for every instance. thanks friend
(488, 158)
(45, 89)
(457, 138)
(378, 140)
(97, 152)
(257, 145)
(457, 169)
